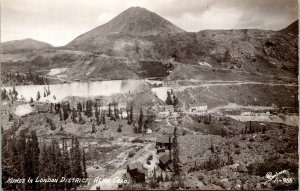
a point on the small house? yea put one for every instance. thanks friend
(164, 143)
(165, 162)
(199, 109)
(137, 172)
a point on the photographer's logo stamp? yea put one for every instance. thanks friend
(279, 177)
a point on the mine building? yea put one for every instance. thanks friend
(199, 109)
(165, 162)
(136, 172)
(163, 143)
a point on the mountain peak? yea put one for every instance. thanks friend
(136, 21)
(134, 8)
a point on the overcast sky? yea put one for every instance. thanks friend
(59, 21)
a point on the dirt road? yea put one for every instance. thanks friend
(184, 128)
(161, 92)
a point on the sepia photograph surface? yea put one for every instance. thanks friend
(149, 95)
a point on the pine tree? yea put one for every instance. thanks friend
(80, 120)
(116, 112)
(67, 169)
(175, 101)
(77, 168)
(79, 107)
(38, 96)
(109, 110)
(97, 116)
(169, 99)
(130, 116)
(65, 113)
(27, 164)
(89, 108)
(131, 113)
(119, 128)
(154, 174)
(57, 163)
(48, 92)
(44, 163)
(74, 115)
(103, 118)
(8, 167)
(93, 128)
(10, 116)
(60, 115)
(175, 153)
(21, 145)
(140, 122)
(35, 153)
(51, 107)
(85, 175)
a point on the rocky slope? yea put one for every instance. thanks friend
(292, 28)
(126, 47)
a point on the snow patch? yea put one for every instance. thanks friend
(55, 71)
(204, 64)
(22, 110)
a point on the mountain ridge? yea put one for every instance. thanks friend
(292, 28)
(26, 44)
(248, 50)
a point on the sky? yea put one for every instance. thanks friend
(59, 21)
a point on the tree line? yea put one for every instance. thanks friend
(10, 94)
(22, 158)
(23, 79)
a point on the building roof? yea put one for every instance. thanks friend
(165, 158)
(138, 166)
(135, 165)
(197, 104)
(163, 140)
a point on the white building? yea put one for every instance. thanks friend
(164, 114)
(248, 114)
(199, 109)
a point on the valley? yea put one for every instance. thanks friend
(156, 106)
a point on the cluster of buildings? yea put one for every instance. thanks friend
(195, 108)
(137, 173)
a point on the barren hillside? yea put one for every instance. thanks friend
(28, 44)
